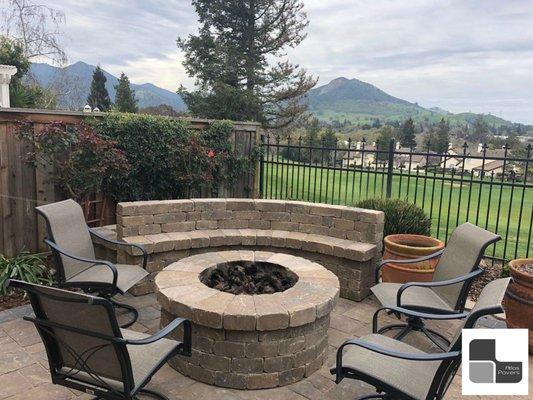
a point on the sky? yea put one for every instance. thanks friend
(460, 55)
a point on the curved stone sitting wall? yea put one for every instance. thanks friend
(345, 240)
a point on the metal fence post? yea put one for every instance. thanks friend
(261, 165)
(390, 164)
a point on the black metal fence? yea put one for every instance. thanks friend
(490, 188)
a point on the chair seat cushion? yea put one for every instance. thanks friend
(128, 275)
(410, 377)
(415, 296)
(144, 358)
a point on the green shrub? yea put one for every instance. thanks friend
(25, 267)
(132, 157)
(167, 158)
(400, 216)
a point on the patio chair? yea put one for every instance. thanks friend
(69, 237)
(400, 371)
(88, 351)
(447, 292)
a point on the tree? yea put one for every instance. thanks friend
(23, 95)
(442, 138)
(125, 100)
(162, 109)
(238, 61)
(480, 130)
(329, 140)
(98, 96)
(35, 27)
(386, 134)
(407, 137)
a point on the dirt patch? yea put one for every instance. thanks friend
(13, 299)
(492, 271)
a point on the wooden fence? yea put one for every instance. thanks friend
(23, 186)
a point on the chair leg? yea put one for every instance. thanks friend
(435, 336)
(151, 393)
(374, 396)
(416, 324)
(130, 309)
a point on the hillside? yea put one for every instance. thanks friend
(358, 101)
(73, 83)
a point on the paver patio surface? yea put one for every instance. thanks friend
(24, 368)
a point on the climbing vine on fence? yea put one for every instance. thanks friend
(137, 157)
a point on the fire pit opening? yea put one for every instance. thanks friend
(248, 277)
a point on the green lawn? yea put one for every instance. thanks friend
(448, 203)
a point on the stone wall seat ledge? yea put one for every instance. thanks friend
(348, 249)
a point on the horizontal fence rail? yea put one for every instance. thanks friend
(493, 190)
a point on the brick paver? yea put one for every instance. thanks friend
(24, 375)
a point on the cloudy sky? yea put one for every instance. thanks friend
(461, 55)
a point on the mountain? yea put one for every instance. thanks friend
(358, 101)
(73, 84)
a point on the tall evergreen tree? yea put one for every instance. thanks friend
(125, 100)
(442, 137)
(98, 96)
(407, 135)
(238, 60)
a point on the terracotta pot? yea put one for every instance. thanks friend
(405, 246)
(519, 299)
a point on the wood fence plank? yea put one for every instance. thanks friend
(3, 185)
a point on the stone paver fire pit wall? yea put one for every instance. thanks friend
(250, 341)
(345, 240)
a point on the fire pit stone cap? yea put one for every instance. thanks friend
(180, 292)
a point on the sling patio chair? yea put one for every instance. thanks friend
(75, 261)
(447, 292)
(88, 351)
(400, 371)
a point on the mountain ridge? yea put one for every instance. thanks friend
(78, 77)
(358, 101)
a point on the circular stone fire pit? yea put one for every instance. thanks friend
(249, 341)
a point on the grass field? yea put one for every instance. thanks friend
(505, 210)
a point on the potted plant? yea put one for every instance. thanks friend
(519, 297)
(406, 234)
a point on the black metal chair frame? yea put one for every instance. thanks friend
(416, 323)
(104, 391)
(444, 374)
(105, 290)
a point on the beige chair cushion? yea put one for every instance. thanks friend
(413, 296)
(128, 275)
(411, 377)
(145, 357)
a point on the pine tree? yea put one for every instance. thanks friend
(98, 96)
(442, 137)
(408, 138)
(237, 61)
(125, 100)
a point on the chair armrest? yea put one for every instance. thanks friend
(119, 243)
(187, 335)
(410, 261)
(388, 352)
(416, 314)
(448, 282)
(87, 260)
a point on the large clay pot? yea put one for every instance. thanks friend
(405, 246)
(519, 298)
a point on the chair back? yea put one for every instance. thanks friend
(66, 227)
(81, 336)
(462, 255)
(489, 302)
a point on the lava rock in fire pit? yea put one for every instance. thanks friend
(248, 278)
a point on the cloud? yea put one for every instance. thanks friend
(460, 55)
